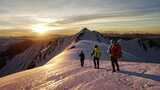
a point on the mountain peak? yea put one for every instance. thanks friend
(86, 34)
(85, 30)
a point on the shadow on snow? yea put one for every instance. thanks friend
(143, 75)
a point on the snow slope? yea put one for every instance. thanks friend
(132, 46)
(25, 59)
(87, 46)
(86, 34)
(39, 54)
(63, 72)
(30, 58)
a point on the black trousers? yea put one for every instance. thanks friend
(96, 62)
(82, 62)
(114, 63)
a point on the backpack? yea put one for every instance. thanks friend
(115, 50)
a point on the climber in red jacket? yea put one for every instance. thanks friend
(115, 53)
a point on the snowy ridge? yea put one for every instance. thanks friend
(63, 72)
(30, 57)
(87, 47)
(39, 54)
(86, 34)
(19, 62)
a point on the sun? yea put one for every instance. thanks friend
(40, 29)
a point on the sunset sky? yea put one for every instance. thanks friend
(21, 16)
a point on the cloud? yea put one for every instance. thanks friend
(113, 15)
(70, 13)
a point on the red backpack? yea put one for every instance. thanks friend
(116, 50)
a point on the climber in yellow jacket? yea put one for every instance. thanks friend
(96, 54)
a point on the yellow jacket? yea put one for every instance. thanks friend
(96, 52)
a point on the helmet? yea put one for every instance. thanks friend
(96, 46)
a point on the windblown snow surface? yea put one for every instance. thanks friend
(63, 72)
